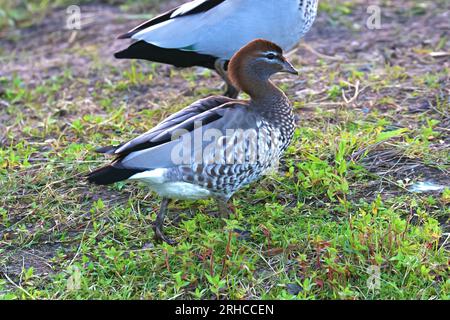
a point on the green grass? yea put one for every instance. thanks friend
(337, 209)
(314, 231)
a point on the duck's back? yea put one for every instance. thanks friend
(235, 23)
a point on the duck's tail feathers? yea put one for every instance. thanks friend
(111, 174)
(176, 57)
(127, 35)
(107, 150)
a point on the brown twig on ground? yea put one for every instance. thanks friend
(318, 54)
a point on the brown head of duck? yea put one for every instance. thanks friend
(251, 67)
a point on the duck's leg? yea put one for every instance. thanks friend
(158, 225)
(231, 91)
(224, 210)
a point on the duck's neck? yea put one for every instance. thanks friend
(261, 91)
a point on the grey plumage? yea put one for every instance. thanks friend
(154, 149)
(217, 145)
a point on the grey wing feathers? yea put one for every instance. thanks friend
(183, 119)
(191, 111)
(165, 151)
(155, 148)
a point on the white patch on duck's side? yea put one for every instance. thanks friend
(156, 180)
(151, 177)
(181, 191)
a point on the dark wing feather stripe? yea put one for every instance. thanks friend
(163, 135)
(196, 108)
(158, 19)
(155, 136)
(187, 125)
(203, 7)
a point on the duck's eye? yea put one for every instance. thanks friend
(271, 56)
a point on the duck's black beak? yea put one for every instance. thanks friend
(289, 68)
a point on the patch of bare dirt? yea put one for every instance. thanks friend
(18, 261)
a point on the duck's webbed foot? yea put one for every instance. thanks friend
(231, 90)
(158, 225)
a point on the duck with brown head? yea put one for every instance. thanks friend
(251, 68)
(239, 140)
